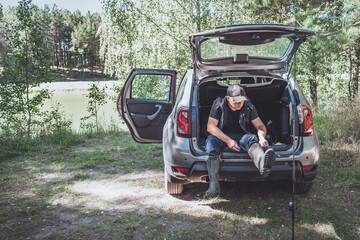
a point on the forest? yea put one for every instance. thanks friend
(35, 42)
(98, 183)
(154, 34)
(69, 39)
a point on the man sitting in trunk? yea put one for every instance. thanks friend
(229, 126)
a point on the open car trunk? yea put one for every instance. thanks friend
(270, 96)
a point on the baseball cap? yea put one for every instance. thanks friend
(236, 92)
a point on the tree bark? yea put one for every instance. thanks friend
(57, 61)
(198, 16)
(313, 87)
(231, 13)
(356, 73)
(313, 92)
(27, 83)
(350, 73)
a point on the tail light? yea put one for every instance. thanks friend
(307, 120)
(181, 170)
(308, 169)
(183, 123)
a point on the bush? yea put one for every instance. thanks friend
(340, 123)
(53, 130)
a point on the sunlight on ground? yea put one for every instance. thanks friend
(256, 220)
(141, 191)
(56, 176)
(134, 191)
(324, 229)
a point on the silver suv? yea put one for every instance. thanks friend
(259, 58)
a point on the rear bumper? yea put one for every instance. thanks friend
(241, 172)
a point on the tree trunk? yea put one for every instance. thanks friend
(313, 86)
(56, 52)
(27, 84)
(350, 73)
(313, 92)
(231, 21)
(198, 16)
(356, 73)
(61, 55)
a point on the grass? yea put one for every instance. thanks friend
(109, 187)
(75, 74)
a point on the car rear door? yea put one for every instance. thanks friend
(145, 102)
(246, 47)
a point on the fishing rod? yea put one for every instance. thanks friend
(291, 205)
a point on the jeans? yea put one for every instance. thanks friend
(214, 145)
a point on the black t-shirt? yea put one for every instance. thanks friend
(232, 123)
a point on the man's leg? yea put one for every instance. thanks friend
(262, 160)
(213, 147)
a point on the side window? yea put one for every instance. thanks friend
(152, 87)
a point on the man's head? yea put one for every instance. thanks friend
(236, 96)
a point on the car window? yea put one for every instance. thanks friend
(152, 87)
(214, 48)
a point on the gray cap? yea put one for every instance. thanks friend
(236, 92)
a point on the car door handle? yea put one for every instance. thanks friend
(152, 117)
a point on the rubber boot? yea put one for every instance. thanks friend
(263, 161)
(213, 165)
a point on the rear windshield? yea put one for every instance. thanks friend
(215, 48)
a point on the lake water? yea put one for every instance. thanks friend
(71, 96)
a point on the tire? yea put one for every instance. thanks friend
(303, 188)
(173, 188)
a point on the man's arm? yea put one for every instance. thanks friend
(261, 131)
(212, 128)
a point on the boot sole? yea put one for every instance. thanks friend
(269, 162)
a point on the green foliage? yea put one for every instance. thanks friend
(1, 11)
(340, 123)
(55, 121)
(151, 87)
(323, 63)
(74, 40)
(154, 34)
(61, 30)
(25, 65)
(25, 62)
(85, 41)
(97, 97)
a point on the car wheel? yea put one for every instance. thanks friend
(303, 188)
(173, 188)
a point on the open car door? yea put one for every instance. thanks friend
(247, 47)
(145, 102)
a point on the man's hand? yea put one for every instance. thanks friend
(263, 142)
(261, 132)
(232, 144)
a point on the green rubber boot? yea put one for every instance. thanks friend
(213, 165)
(263, 161)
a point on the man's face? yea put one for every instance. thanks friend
(234, 105)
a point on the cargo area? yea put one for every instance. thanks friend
(270, 97)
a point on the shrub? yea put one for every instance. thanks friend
(341, 123)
